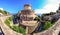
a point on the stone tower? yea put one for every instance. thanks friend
(27, 16)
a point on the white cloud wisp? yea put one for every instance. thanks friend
(51, 6)
(1, 8)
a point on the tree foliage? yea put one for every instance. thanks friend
(47, 25)
(3, 12)
(37, 18)
(7, 22)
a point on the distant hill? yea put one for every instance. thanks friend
(4, 12)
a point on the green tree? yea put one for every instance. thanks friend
(1, 11)
(5, 12)
(37, 18)
(51, 13)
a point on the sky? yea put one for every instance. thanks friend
(40, 6)
(13, 6)
(50, 6)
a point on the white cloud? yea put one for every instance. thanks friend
(53, 1)
(1, 8)
(52, 5)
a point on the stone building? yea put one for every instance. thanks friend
(27, 18)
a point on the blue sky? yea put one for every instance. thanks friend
(13, 6)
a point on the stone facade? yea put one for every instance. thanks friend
(27, 17)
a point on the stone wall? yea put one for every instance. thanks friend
(54, 30)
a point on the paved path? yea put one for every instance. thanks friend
(6, 29)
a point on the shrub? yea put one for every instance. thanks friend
(7, 22)
(10, 18)
(37, 19)
(19, 29)
(15, 28)
(47, 25)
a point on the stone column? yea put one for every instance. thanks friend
(27, 31)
